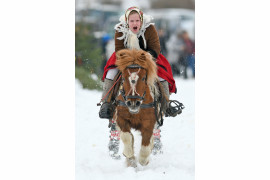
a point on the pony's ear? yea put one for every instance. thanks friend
(122, 54)
(143, 56)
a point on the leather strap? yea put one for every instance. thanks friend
(143, 106)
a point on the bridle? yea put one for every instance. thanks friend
(135, 94)
(153, 104)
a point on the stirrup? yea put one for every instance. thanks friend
(106, 111)
(174, 110)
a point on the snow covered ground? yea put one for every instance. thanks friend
(92, 137)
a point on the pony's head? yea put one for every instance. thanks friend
(139, 72)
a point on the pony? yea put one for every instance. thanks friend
(135, 102)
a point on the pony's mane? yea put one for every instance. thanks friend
(127, 57)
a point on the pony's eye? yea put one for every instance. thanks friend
(143, 78)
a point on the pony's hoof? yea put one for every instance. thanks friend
(131, 162)
(144, 162)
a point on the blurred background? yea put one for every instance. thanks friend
(94, 35)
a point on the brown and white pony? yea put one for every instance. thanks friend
(135, 102)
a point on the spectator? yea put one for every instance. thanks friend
(175, 52)
(162, 39)
(188, 52)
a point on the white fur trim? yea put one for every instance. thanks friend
(123, 28)
(133, 41)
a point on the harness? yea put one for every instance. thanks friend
(132, 97)
(143, 106)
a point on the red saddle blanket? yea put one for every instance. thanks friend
(164, 70)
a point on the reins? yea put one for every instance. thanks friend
(98, 104)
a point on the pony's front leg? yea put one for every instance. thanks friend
(128, 140)
(126, 137)
(146, 147)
